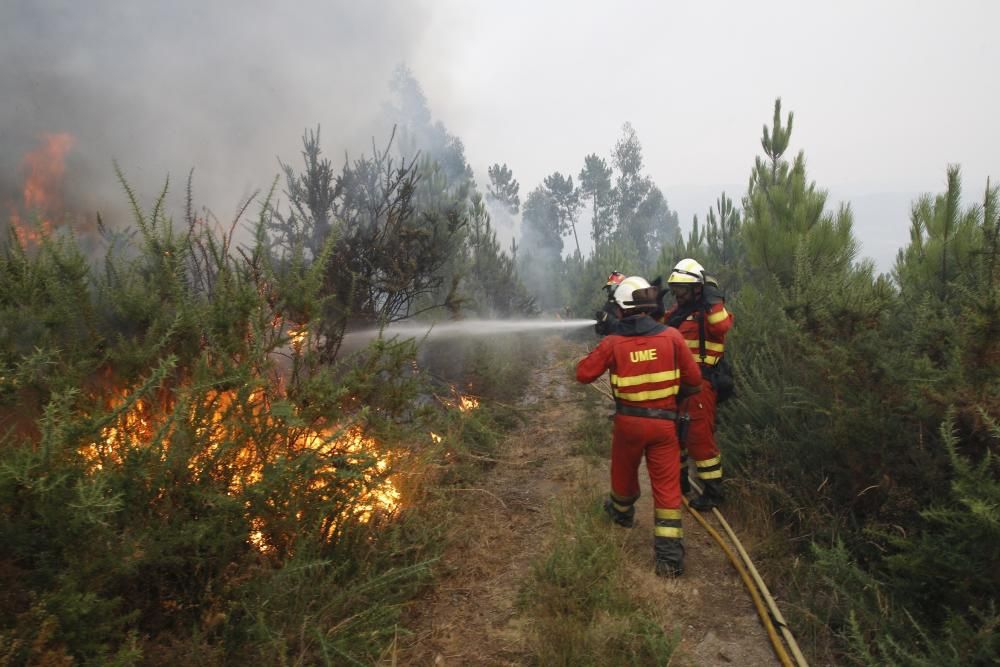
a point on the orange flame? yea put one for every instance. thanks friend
(143, 422)
(298, 336)
(44, 169)
(461, 401)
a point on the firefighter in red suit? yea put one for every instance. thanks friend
(702, 319)
(650, 368)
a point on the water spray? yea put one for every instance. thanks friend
(467, 328)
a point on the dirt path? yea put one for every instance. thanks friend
(470, 617)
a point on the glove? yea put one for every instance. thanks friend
(712, 294)
(606, 322)
(680, 315)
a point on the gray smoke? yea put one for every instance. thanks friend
(223, 87)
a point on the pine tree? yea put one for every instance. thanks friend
(944, 249)
(420, 135)
(723, 238)
(542, 226)
(644, 219)
(567, 201)
(495, 288)
(595, 184)
(503, 188)
(784, 213)
(630, 185)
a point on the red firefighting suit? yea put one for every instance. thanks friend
(700, 439)
(648, 362)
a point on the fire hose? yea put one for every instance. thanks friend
(755, 585)
(759, 592)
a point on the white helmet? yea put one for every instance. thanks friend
(623, 293)
(687, 272)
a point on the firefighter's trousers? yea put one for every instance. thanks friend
(633, 438)
(699, 442)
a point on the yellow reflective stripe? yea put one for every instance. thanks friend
(709, 345)
(709, 361)
(715, 318)
(620, 508)
(647, 395)
(715, 474)
(667, 514)
(708, 463)
(664, 531)
(632, 380)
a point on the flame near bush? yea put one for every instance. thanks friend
(187, 462)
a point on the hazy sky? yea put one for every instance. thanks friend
(885, 94)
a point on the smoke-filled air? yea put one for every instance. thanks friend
(465, 333)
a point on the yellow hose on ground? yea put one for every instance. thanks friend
(753, 581)
(779, 647)
(800, 659)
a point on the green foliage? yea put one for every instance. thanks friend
(845, 380)
(595, 184)
(718, 246)
(644, 220)
(840, 431)
(585, 278)
(948, 272)
(945, 247)
(723, 238)
(274, 611)
(950, 564)
(542, 226)
(567, 201)
(592, 435)
(785, 217)
(504, 188)
(168, 492)
(934, 600)
(492, 287)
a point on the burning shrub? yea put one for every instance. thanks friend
(192, 469)
(173, 457)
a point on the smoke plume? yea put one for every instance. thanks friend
(223, 87)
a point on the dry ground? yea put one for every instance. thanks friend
(470, 616)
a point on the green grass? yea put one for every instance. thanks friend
(581, 611)
(592, 435)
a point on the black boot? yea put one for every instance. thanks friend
(711, 497)
(624, 519)
(669, 556)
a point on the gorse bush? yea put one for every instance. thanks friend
(190, 471)
(932, 601)
(863, 424)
